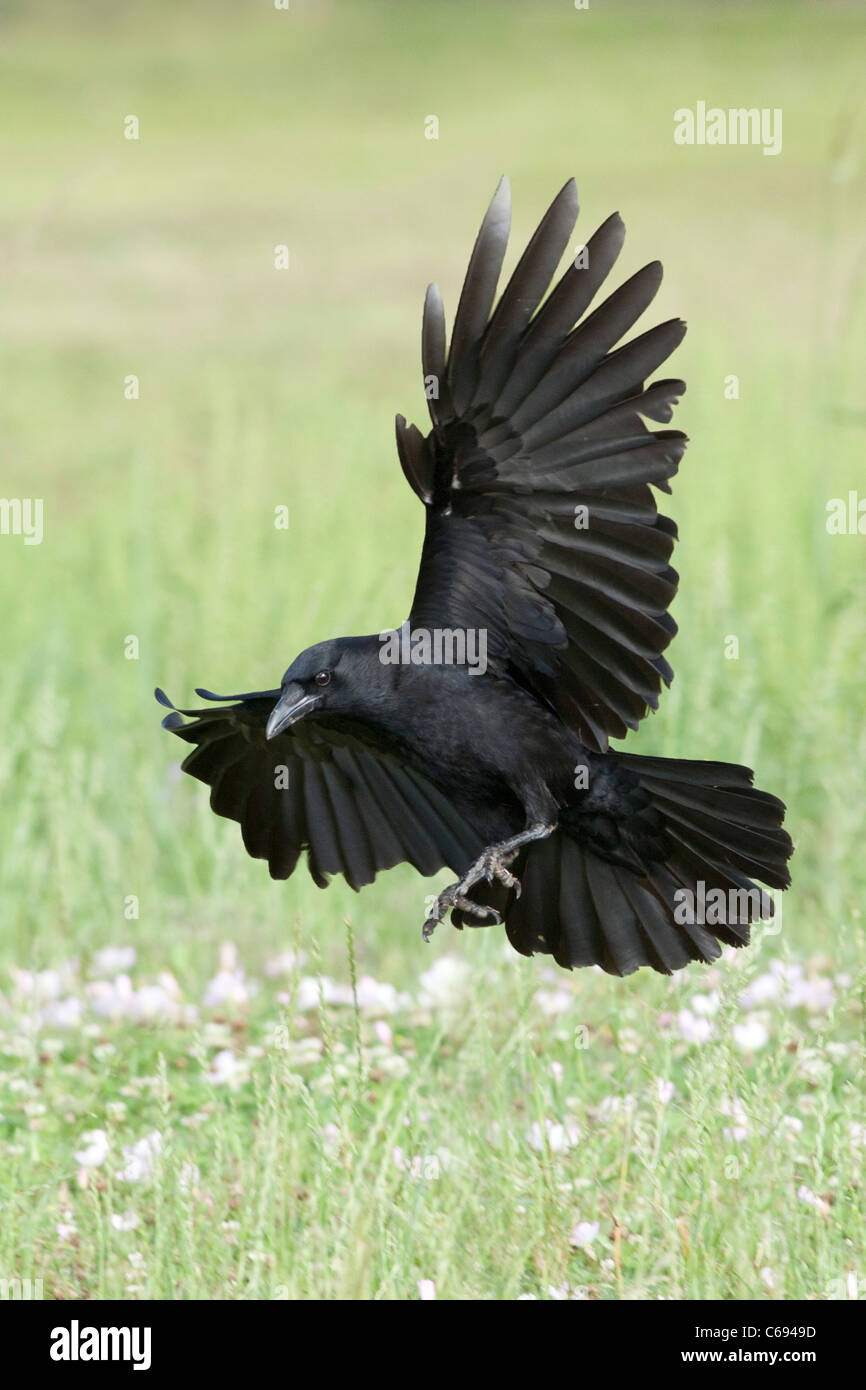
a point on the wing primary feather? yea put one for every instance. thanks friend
(524, 292)
(476, 297)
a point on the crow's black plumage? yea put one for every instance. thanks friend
(544, 548)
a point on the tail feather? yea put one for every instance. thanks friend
(670, 950)
(718, 835)
(626, 946)
(583, 942)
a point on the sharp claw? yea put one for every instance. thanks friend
(452, 900)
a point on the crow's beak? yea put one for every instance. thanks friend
(292, 705)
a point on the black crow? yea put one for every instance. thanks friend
(476, 736)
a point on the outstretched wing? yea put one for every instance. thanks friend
(542, 528)
(329, 789)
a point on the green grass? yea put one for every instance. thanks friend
(261, 388)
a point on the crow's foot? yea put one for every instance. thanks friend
(450, 898)
(491, 865)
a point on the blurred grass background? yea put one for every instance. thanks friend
(261, 387)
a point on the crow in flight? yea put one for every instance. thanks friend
(545, 553)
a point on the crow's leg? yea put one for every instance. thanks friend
(492, 864)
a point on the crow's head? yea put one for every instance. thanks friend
(327, 678)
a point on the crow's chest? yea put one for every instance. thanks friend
(486, 736)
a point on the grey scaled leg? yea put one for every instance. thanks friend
(492, 864)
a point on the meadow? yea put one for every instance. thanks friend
(216, 1086)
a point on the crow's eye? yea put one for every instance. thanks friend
(323, 678)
